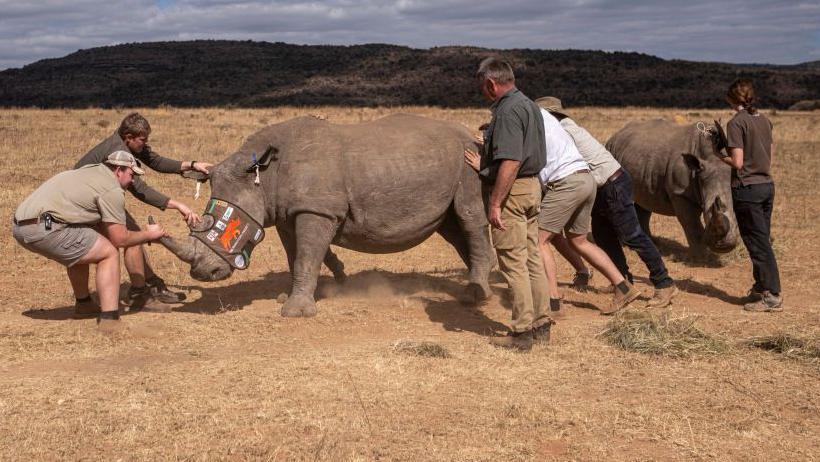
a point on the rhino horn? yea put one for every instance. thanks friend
(183, 251)
(723, 141)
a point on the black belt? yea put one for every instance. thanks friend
(46, 218)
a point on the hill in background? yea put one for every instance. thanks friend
(254, 74)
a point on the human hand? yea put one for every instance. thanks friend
(483, 126)
(473, 159)
(190, 217)
(155, 231)
(203, 167)
(494, 217)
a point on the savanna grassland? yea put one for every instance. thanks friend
(224, 377)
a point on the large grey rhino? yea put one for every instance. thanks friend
(675, 172)
(376, 187)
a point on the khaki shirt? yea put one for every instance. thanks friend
(88, 195)
(601, 162)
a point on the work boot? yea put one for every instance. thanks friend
(521, 341)
(142, 299)
(767, 303)
(580, 281)
(621, 299)
(662, 297)
(541, 334)
(86, 307)
(161, 292)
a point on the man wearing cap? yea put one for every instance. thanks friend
(614, 220)
(77, 218)
(147, 289)
(512, 155)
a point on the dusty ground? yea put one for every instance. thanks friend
(225, 377)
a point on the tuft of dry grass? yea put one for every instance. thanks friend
(425, 349)
(661, 334)
(787, 345)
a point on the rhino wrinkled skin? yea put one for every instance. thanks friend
(676, 173)
(376, 187)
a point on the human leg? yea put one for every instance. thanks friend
(106, 257)
(550, 267)
(580, 280)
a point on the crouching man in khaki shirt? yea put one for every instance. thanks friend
(77, 218)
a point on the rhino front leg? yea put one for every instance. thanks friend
(688, 215)
(313, 234)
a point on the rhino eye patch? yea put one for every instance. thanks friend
(230, 232)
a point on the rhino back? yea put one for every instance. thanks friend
(391, 180)
(651, 152)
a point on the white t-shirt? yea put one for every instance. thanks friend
(563, 158)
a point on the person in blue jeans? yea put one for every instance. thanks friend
(749, 152)
(614, 220)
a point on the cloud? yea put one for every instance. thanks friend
(774, 31)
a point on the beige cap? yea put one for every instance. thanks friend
(124, 159)
(551, 104)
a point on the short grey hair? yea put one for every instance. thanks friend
(496, 69)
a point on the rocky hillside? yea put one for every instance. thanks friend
(252, 74)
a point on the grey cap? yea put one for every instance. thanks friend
(124, 159)
(551, 104)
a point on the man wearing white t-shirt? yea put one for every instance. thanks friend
(566, 206)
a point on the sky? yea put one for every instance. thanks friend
(735, 31)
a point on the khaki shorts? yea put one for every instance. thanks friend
(65, 244)
(567, 205)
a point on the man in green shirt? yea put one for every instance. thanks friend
(147, 289)
(77, 218)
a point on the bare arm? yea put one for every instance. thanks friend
(507, 172)
(191, 217)
(735, 158)
(120, 236)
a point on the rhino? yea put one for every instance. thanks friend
(375, 187)
(676, 173)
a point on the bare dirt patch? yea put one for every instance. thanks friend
(224, 377)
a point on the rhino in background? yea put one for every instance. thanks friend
(377, 187)
(676, 173)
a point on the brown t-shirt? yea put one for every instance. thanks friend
(753, 134)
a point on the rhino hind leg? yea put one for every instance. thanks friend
(335, 266)
(643, 218)
(310, 246)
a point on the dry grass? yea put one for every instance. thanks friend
(225, 377)
(421, 348)
(662, 334)
(788, 345)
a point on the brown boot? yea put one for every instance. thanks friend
(142, 299)
(541, 334)
(621, 299)
(521, 341)
(662, 297)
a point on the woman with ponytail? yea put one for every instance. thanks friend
(749, 153)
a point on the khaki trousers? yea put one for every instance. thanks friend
(518, 255)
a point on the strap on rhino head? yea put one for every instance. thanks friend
(230, 232)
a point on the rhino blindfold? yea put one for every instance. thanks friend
(230, 232)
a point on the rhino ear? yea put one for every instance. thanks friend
(692, 162)
(270, 154)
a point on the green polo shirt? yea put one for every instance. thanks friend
(516, 132)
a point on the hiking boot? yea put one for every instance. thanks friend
(142, 299)
(621, 300)
(662, 297)
(521, 341)
(767, 303)
(580, 281)
(86, 308)
(752, 296)
(161, 292)
(541, 334)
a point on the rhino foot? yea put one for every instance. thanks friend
(475, 294)
(297, 306)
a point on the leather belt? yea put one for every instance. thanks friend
(550, 184)
(33, 221)
(614, 176)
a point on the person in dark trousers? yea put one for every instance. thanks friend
(750, 151)
(614, 221)
(148, 291)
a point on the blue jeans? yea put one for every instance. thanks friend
(753, 210)
(615, 223)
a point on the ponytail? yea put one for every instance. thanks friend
(742, 93)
